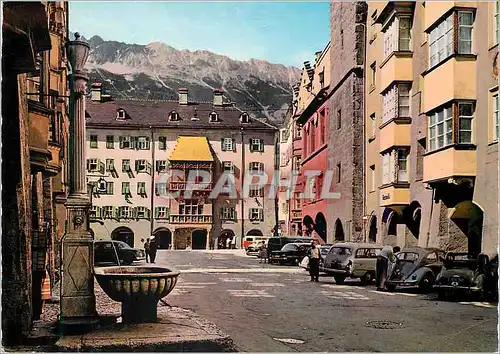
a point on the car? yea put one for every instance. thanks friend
(353, 260)
(253, 249)
(323, 250)
(105, 253)
(277, 243)
(291, 253)
(466, 274)
(416, 267)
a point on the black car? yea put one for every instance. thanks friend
(291, 253)
(277, 243)
(466, 274)
(105, 253)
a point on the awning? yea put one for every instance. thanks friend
(192, 148)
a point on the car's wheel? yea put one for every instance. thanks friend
(367, 279)
(126, 262)
(339, 279)
(390, 287)
(425, 284)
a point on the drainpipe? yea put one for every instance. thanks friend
(430, 217)
(242, 176)
(152, 189)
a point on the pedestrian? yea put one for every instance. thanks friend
(228, 243)
(153, 247)
(385, 259)
(147, 245)
(233, 243)
(263, 252)
(314, 258)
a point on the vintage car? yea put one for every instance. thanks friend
(277, 243)
(291, 253)
(465, 274)
(323, 249)
(416, 267)
(353, 260)
(105, 253)
(253, 249)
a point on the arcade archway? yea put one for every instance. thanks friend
(372, 233)
(123, 234)
(224, 236)
(163, 238)
(308, 225)
(320, 226)
(255, 232)
(199, 239)
(339, 231)
(468, 216)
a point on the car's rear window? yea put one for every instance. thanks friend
(341, 251)
(408, 256)
(289, 247)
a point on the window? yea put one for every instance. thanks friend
(142, 143)
(403, 165)
(161, 188)
(161, 212)
(110, 165)
(256, 145)
(441, 41)
(322, 79)
(339, 119)
(373, 75)
(190, 207)
(372, 178)
(339, 171)
(244, 118)
(126, 188)
(419, 173)
(397, 36)
(142, 212)
(93, 141)
(322, 120)
(227, 144)
(298, 132)
(387, 168)
(110, 188)
(173, 116)
(465, 115)
(342, 39)
(256, 214)
(125, 212)
(312, 187)
(228, 166)
(162, 143)
(120, 114)
(126, 166)
(92, 165)
(213, 117)
(256, 168)
(126, 142)
(496, 8)
(374, 124)
(161, 165)
(440, 128)
(296, 163)
(110, 142)
(397, 96)
(465, 25)
(141, 188)
(256, 191)
(496, 129)
(95, 212)
(142, 166)
(107, 212)
(228, 213)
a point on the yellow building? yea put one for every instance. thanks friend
(432, 125)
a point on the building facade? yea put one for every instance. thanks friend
(346, 124)
(34, 156)
(432, 117)
(141, 155)
(285, 170)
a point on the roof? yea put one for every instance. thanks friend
(355, 244)
(147, 114)
(191, 148)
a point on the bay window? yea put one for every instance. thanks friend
(440, 128)
(395, 166)
(465, 25)
(397, 35)
(465, 115)
(387, 168)
(496, 8)
(403, 165)
(396, 102)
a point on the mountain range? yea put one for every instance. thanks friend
(156, 71)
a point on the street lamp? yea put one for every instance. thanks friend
(78, 309)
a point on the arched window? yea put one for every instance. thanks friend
(213, 117)
(244, 118)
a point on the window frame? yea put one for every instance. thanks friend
(403, 155)
(162, 143)
(227, 144)
(496, 118)
(126, 139)
(110, 143)
(143, 143)
(141, 188)
(94, 141)
(126, 163)
(126, 188)
(228, 163)
(469, 118)
(433, 128)
(256, 145)
(256, 171)
(256, 214)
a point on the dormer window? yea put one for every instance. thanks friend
(120, 114)
(214, 117)
(173, 116)
(244, 118)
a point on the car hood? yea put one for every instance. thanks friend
(403, 269)
(463, 272)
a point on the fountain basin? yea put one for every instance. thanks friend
(138, 289)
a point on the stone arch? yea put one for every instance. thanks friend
(320, 226)
(412, 216)
(222, 239)
(199, 239)
(372, 229)
(124, 234)
(255, 232)
(469, 217)
(308, 225)
(339, 231)
(164, 238)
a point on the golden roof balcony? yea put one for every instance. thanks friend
(397, 67)
(395, 194)
(450, 162)
(190, 219)
(181, 186)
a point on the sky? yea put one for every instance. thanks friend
(279, 32)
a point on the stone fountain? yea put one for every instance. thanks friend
(138, 289)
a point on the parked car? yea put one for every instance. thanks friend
(416, 267)
(249, 240)
(277, 243)
(465, 274)
(291, 253)
(253, 249)
(323, 249)
(353, 260)
(105, 253)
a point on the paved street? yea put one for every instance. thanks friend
(256, 303)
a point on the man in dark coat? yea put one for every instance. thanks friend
(153, 247)
(314, 258)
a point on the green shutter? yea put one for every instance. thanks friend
(250, 145)
(261, 145)
(234, 144)
(222, 147)
(167, 212)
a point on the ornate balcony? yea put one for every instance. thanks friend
(180, 186)
(190, 219)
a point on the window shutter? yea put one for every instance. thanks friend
(261, 167)
(261, 214)
(88, 164)
(102, 167)
(166, 212)
(134, 213)
(233, 144)
(136, 165)
(250, 166)
(157, 192)
(148, 213)
(115, 212)
(250, 145)
(121, 142)
(147, 144)
(148, 168)
(250, 214)
(157, 163)
(222, 145)
(261, 143)
(98, 212)
(157, 212)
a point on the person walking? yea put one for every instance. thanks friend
(153, 247)
(384, 263)
(263, 252)
(228, 243)
(314, 257)
(233, 243)
(146, 249)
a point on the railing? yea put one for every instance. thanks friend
(296, 214)
(175, 186)
(194, 219)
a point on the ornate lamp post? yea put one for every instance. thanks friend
(77, 285)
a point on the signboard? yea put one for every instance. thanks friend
(386, 196)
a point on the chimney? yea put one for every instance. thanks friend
(316, 57)
(218, 97)
(183, 96)
(97, 92)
